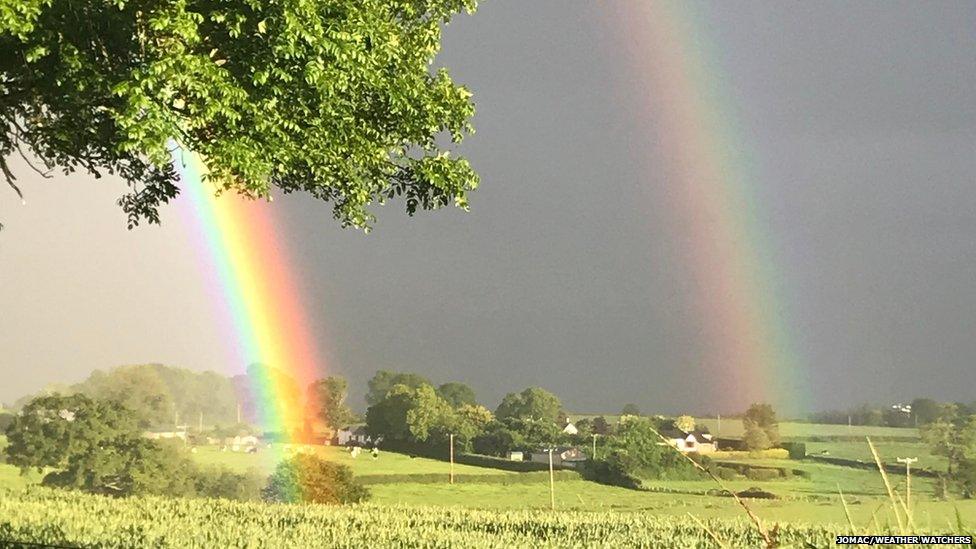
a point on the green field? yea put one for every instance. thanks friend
(889, 452)
(388, 463)
(732, 428)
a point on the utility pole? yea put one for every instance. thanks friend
(452, 458)
(238, 413)
(908, 480)
(593, 455)
(552, 484)
(718, 429)
(200, 423)
(848, 424)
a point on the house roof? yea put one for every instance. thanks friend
(675, 433)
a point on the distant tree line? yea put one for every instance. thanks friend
(917, 413)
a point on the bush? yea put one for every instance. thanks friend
(307, 478)
(725, 473)
(795, 450)
(610, 470)
(756, 473)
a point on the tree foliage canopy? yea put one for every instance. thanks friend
(93, 445)
(334, 98)
(457, 394)
(761, 427)
(328, 396)
(532, 403)
(96, 445)
(384, 380)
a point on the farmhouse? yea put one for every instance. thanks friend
(699, 440)
(563, 456)
(570, 429)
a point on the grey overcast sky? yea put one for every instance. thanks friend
(565, 274)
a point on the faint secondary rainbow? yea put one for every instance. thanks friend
(705, 153)
(254, 283)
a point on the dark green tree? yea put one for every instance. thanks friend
(630, 409)
(532, 403)
(384, 380)
(457, 394)
(94, 445)
(761, 417)
(925, 410)
(497, 439)
(328, 397)
(584, 427)
(411, 414)
(537, 433)
(953, 435)
(336, 98)
(601, 426)
(307, 478)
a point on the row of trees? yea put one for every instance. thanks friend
(917, 413)
(160, 397)
(406, 408)
(409, 412)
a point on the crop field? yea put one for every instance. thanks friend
(48, 517)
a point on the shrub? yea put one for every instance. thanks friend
(796, 450)
(612, 470)
(725, 473)
(756, 473)
(307, 478)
